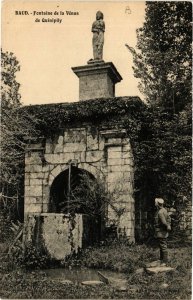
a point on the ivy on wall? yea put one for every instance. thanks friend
(52, 117)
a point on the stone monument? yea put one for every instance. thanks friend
(84, 137)
(97, 79)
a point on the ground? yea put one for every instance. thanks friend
(35, 284)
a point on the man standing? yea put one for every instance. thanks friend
(162, 227)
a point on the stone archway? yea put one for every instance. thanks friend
(63, 187)
(67, 196)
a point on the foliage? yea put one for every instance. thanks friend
(34, 258)
(162, 154)
(162, 145)
(30, 258)
(6, 211)
(88, 197)
(91, 196)
(15, 126)
(162, 151)
(10, 96)
(163, 56)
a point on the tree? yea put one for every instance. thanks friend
(162, 62)
(9, 86)
(15, 125)
(163, 57)
(164, 156)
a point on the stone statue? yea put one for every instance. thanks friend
(98, 29)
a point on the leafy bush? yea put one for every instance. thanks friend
(31, 257)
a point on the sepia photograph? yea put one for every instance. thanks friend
(96, 149)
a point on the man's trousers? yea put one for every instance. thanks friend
(163, 250)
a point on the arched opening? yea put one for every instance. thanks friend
(71, 192)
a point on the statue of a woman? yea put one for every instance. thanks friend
(98, 29)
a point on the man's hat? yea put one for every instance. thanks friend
(159, 201)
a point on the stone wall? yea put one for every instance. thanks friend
(101, 151)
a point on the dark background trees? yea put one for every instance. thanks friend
(163, 63)
(163, 56)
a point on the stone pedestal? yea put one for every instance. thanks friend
(97, 80)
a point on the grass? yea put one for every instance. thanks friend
(118, 256)
(20, 284)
